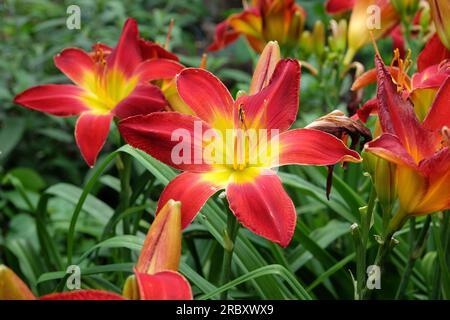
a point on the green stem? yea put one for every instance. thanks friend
(415, 252)
(387, 244)
(229, 238)
(361, 238)
(124, 167)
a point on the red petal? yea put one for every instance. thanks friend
(433, 53)
(397, 116)
(223, 36)
(439, 114)
(390, 148)
(437, 171)
(167, 285)
(83, 295)
(126, 55)
(370, 76)
(264, 207)
(205, 94)
(339, 6)
(157, 69)
(74, 63)
(192, 190)
(432, 77)
(313, 147)
(369, 108)
(153, 134)
(151, 50)
(144, 99)
(91, 132)
(57, 99)
(276, 106)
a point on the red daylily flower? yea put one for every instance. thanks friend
(419, 149)
(433, 67)
(254, 191)
(260, 22)
(155, 278)
(107, 83)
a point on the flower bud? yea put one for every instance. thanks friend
(319, 39)
(384, 179)
(12, 287)
(265, 67)
(162, 246)
(440, 12)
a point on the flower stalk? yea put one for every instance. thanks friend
(230, 234)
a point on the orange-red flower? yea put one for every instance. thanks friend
(433, 68)
(260, 22)
(419, 149)
(242, 165)
(156, 276)
(107, 83)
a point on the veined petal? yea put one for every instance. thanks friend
(312, 147)
(397, 117)
(170, 137)
(57, 99)
(167, 285)
(207, 96)
(339, 6)
(75, 64)
(263, 206)
(276, 106)
(91, 131)
(12, 287)
(83, 295)
(162, 246)
(158, 69)
(144, 99)
(192, 190)
(439, 114)
(433, 53)
(126, 56)
(265, 67)
(389, 147)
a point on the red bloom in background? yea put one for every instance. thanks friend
(260, 22)
(107, 83)
(155, 275)
(254, 191)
